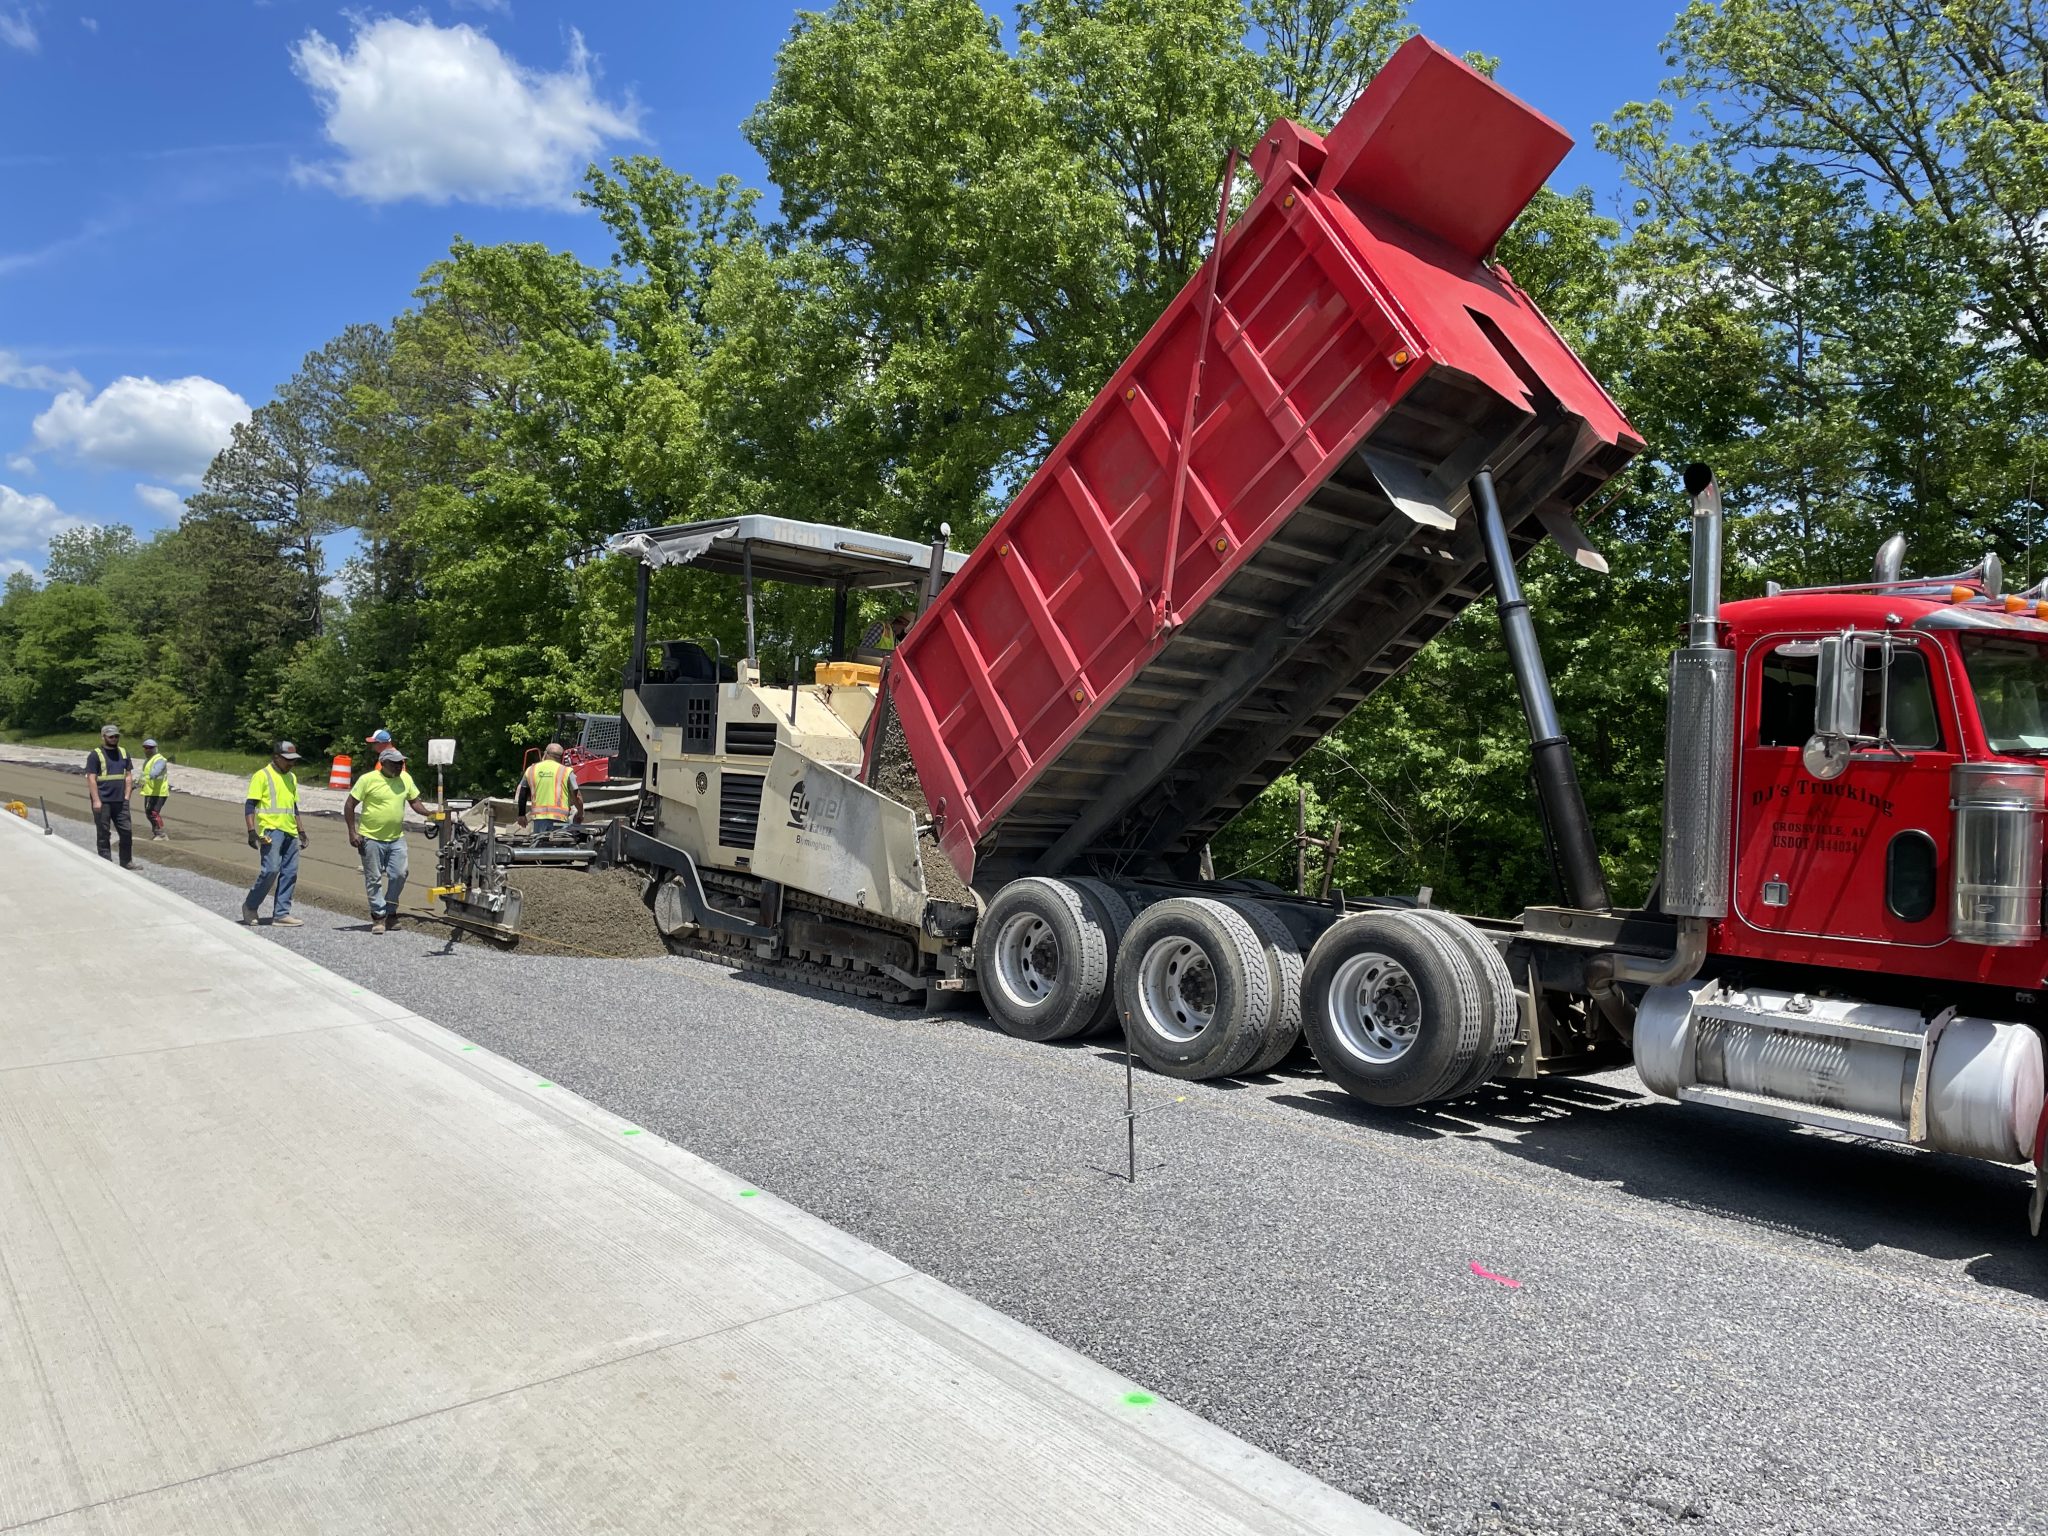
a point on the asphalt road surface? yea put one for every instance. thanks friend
(1685, 1321)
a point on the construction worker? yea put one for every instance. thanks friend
(109, 781)
(380, 839)
(379, 738)
(551, 788)
(156, 788)
(271, 811)
(882, 637)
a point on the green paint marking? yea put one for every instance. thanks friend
(748, 1194)
(543, 1085)
(469, 1047)
(629, 1133)
(1139, 1399)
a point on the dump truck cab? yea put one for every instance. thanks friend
(1889, 783)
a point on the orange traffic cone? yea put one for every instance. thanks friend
(340, 777)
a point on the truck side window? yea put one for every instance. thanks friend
(1785, 709)
(1912, 720)
(1910, 888)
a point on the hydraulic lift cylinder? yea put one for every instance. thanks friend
(1562, 803)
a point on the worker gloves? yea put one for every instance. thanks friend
(254, 840)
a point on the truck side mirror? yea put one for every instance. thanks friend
(1838, 687)
(1837, 706)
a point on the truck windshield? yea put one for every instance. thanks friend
(2010, 678)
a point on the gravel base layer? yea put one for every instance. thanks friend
(584, 912)
(1685, 1320)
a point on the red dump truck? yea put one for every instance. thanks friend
(1348, 426)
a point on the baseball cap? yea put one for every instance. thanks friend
(391, 755)
(380, 736)
(149, 741)
(285, 750)
(110, 730)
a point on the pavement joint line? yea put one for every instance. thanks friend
(190, 1045)
(446, 1408)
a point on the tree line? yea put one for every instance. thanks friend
(1829, 280)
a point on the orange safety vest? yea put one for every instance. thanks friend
(550, 783)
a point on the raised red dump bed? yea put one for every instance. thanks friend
(1071, 701)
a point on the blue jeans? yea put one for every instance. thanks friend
(543, 824)
(281, 869)
(384, 871)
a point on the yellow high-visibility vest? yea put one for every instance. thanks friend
(277, 800)
(108, 780)
(550, 782)
(156, 789)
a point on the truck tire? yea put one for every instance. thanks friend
(1042, 956)
(1193, 988)
(1500, 1008)
(1113, 913)
(1392, 1009)
(1282, 1032)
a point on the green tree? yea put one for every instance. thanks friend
(69, 657)
(82, 556)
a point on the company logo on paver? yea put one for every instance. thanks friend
(799, 806)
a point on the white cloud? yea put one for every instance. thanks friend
(502, 7)
(160, 499)
(17, 31)
(16, 567)
(27, 521)
(21, 463)
(169, 430)
(90, 23)
(16, 374)
(442, 113)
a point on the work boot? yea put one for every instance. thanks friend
(248, 917)
(377, 926)
(287, 922)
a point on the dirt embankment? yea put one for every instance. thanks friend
(896, 776)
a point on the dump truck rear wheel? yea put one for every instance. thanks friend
(1500, 1012)
(1114, 914)
(1392, 1009)
(1043, 960)
(1193, 988)
(1282, 1032)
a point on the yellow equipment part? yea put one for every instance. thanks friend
(848, 674)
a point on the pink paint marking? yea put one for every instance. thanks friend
(1487, 1274)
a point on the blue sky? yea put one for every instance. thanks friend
(195, 195)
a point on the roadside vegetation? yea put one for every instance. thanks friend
(1829, 279)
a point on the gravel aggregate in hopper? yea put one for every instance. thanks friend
(896, 776)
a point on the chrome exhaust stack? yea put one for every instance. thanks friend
(1699, 736)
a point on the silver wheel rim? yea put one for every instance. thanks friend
(1027, 961)
(1176, 990)
(1375, 1008)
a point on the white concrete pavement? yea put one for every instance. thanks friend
(277, 1255)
